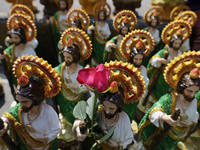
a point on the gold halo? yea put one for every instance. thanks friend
(81, 15)
(80, 38)
(173, 27)
(30, 65)
(151, 11)
(121, 15)
(22, 9)
(129, 78)
(179, 65)
(177, 10)
(136, 36)
(188, 15)
(98, 6)
(70, 3)
(23, 22)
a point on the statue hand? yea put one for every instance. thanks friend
(4, 129)
(170, 121)
(91, 28)
(163, 61)
(2, 56)
(113, 45)
(80, 136)
(48, 21)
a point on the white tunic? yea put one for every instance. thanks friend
(143, 72)
(155, 34)
(27, 50)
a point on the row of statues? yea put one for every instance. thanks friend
(101, 86)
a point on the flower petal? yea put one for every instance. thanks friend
(100, 67)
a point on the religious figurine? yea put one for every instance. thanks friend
(58, 20)
(115, 90)
(173, 35)
(101, 32)
(183, 75)
(34, 124)
(76, 48)
(141, 44)
(153, 17)
(24, 10)
(124, 22)
(190, 17)
(28, 3)
(169, 6)
(22, 31)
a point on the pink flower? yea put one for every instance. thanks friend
(96, 78)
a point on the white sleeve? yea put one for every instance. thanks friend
(155, 62)
(54, 125)
(108, 47)
(89, 30)
(195, 117)
(33, 43)
(155, 118)
(107, 31)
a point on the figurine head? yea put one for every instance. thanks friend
(71, 54)
(33, 90)
(189, 84)
(176, 42)
(124, 29)
(154, 22)
(137, 55)
(63, 5)
(76, 24)
(113, 102)
(18, 36)
(102, 15)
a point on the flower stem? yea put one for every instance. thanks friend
(94, 110)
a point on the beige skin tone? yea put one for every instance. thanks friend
(70, 69)
(15, 39)
(24, 101)
(109, 108)
(190, 92)
(172, 52)
(124, 31)
(101, 24)
(138, 60)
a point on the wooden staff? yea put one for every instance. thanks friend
(155, 79)
(165, 131)
(6, 138)
(7, 72)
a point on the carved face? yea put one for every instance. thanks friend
(190, 92)
(177, 44)
(110, 109)
(25, 102)
(124, 30)
(154, 23)
(62, 5)
(68, 58)
(16, 39)
(101, 16)
(137, 60)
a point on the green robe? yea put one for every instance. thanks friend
(148, 130)
(11, 58)
(117, 54)
(14, 116)
(66, 106)
(161, 87)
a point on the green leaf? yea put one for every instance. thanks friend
(107, 135)
(89, 106)
(80, 110)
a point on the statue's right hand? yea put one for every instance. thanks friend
(48, 21)
(113, 45)
(163, 61)
(2, 56)
(80, 136)
(4, 129)
(170, 121)
(91, 28)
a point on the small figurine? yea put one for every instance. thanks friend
(141, 44)
(24, 10)
(173, 35)
(22, 31)
(76, 48)
(124, 22)
(190, 17)
(34, 124)
(115, 89)
(101, 32)
(183, 75)
(153, 17)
